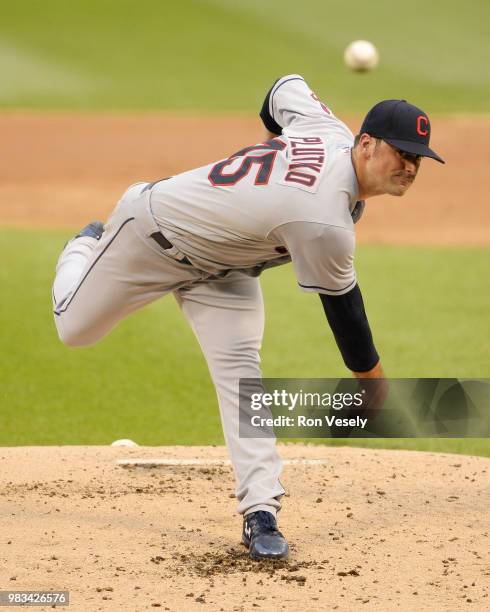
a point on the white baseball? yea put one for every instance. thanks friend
(361, 55)
(124, 442)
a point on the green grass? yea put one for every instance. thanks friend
(222, 55)
(148, 381)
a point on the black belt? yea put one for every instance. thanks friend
(160, 239)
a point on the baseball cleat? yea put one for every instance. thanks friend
(262, 538)
(95, 229)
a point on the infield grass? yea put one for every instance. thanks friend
(148, 380)
(222, 55)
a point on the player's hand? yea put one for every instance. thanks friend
(375, 389)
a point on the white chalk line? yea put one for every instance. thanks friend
(147, 463)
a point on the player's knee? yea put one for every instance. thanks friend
(72, 334)
(224, 363)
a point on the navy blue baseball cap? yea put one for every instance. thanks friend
(402, 125)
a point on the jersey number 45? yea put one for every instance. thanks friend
(262, 156)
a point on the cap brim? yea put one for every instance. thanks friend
(416, 148)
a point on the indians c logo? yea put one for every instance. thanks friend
(422, 125)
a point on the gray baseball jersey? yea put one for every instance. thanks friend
(289, 197)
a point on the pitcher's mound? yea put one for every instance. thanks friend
(370, 530)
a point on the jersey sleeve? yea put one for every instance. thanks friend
(322, 255)
(291, 100)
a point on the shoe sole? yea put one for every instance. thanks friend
(270, 557)
(256, 557)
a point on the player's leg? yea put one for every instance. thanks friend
(99, 282)
(227, 317)
(73, 259)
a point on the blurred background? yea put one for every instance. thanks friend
(217, 55)
(95, 95)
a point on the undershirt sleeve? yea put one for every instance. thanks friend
(289, 100)
(267, 119)
(348, 321)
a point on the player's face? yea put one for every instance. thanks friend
(392, 169)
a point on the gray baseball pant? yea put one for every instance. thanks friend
(98, 283)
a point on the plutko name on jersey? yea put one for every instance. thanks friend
(307, 160)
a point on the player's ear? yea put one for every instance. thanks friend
(367, 144)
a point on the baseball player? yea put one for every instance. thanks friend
(207, 234)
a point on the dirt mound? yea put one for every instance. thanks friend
(376, 530)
